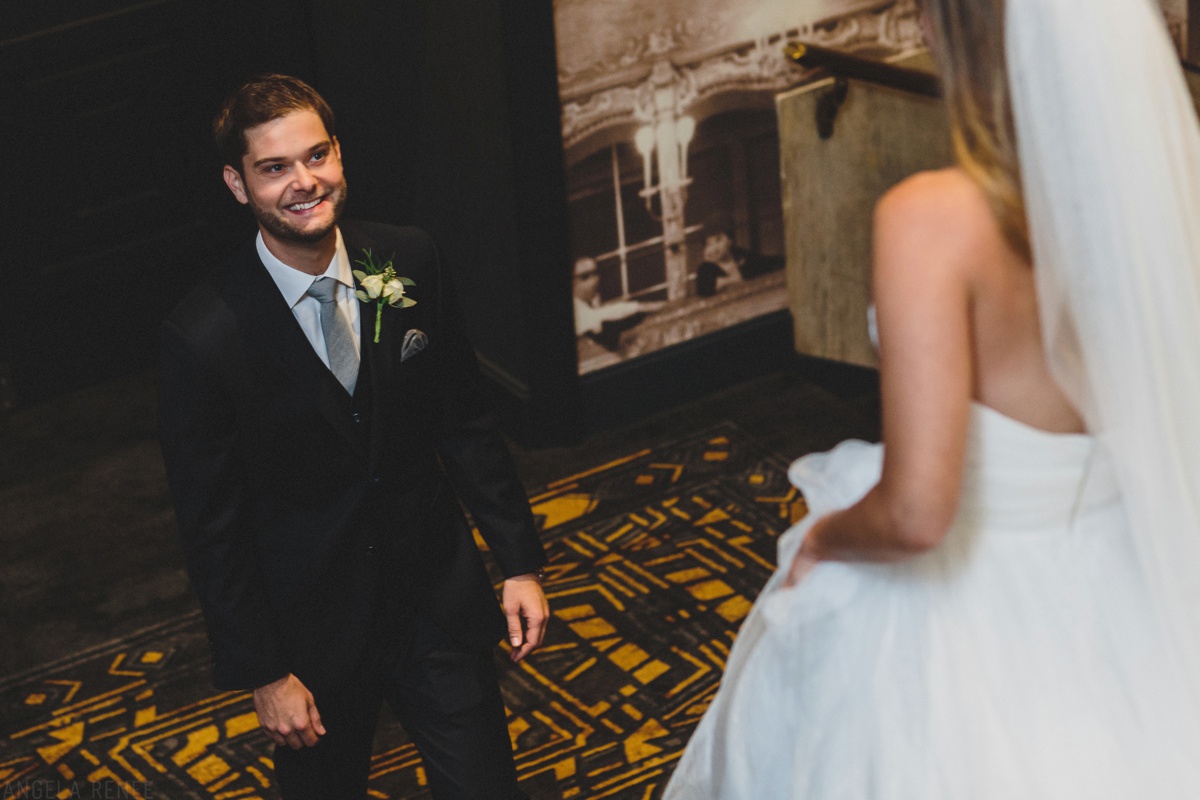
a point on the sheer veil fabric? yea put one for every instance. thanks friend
(1049, 647)
(1110, 153)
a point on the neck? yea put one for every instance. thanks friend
(311, 258)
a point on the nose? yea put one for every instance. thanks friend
(302, 179)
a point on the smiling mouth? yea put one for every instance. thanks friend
(297, 207)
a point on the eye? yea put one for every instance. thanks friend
(320, 155)
(273, 169)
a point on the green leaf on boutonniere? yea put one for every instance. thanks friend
(378, 283)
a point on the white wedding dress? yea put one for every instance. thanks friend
(1018, 660)
(1049, 647)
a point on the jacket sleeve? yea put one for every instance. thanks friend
(474, 453)
(200, 445)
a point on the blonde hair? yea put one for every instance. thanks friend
(970, 42)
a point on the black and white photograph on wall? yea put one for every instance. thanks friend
(1182, 17)
(672, 153)
(672, 156)
(1183, 20)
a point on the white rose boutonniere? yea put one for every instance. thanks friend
(379, 284)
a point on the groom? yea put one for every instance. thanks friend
(318, 447)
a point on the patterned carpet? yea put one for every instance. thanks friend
(654, 561)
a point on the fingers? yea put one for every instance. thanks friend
(535, 629)
(287, 713)
(301, 733)
(516, 655)
(535, 625)
(307, 735)
(802, 564)
(315, 717)
(523, 599)
(533, 638)
(304, 726)
(515, 635)
(795, 573)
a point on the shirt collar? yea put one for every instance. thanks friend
(292, 283)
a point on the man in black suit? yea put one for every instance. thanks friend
(317, 448)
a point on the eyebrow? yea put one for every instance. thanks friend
(271, 159)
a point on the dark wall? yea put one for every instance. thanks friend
(450, 112)
(447, 115)
(114, 203)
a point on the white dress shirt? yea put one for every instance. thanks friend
(293, 284)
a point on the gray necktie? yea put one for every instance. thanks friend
(339, 341)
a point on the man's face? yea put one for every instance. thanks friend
(587, 279)
(291, 178)
(716, 247)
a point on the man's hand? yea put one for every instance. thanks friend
(523, 598)
(287, 713)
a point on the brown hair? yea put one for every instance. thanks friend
(258, 101)
(970, 39)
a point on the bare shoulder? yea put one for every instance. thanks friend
(945, 199)
(940, 218)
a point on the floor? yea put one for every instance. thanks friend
(87, 532)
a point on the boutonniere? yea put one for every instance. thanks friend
(379, 284)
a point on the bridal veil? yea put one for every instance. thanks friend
(1110, 153)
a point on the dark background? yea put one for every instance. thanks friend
(448, 118)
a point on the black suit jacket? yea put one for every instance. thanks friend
(308, 516)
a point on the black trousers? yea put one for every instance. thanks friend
(447, 699)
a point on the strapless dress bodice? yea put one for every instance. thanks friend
(1019, 477)
(1019, 658)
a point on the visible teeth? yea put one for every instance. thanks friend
(304, 206)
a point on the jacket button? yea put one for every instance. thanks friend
(357, 417)
(376, 480)
(370, 549)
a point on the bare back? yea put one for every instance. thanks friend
(1010, 370)
(958, 322)
(938, 238)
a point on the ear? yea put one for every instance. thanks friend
(234, 181)
(337, 148)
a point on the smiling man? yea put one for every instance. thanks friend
(318, 447)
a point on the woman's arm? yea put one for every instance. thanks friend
(926, 235)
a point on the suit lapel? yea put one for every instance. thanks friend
(271, 327)
(376, 356)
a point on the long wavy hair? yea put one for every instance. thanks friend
(969, 44)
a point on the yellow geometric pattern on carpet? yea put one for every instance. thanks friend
(654, 562)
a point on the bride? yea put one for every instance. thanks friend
(1005, 601)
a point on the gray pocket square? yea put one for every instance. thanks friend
(414, 342)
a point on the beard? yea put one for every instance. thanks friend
(281, 228)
